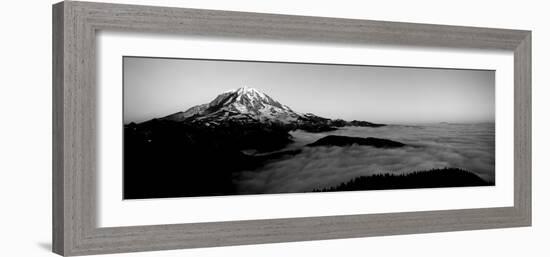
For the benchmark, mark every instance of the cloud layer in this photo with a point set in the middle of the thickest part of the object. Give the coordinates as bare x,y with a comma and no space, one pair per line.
467,146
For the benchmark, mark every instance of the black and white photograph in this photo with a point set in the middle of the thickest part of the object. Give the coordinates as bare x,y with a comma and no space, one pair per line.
201,127
278,128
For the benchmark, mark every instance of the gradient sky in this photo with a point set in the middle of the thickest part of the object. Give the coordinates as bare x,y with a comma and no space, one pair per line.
156,87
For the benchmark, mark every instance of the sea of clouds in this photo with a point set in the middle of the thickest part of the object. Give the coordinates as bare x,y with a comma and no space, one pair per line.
466,146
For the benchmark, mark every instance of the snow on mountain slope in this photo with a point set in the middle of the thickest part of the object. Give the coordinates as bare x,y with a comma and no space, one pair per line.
242,104
245,107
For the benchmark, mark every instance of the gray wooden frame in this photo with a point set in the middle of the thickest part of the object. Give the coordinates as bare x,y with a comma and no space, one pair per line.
74,128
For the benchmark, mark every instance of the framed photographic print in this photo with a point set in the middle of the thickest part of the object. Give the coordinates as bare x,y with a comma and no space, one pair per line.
182,128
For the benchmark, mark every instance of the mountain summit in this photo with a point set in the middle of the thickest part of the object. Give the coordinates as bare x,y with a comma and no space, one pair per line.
247,100
239,104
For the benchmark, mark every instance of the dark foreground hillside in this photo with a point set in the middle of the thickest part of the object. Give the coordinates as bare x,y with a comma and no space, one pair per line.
174,159
447,177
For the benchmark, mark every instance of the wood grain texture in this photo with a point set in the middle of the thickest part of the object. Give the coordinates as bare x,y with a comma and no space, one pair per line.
522,128
74,121
57,125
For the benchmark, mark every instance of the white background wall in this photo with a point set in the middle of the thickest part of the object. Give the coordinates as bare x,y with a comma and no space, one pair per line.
25,127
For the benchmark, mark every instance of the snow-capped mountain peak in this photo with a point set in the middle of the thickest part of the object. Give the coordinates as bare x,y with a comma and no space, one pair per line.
247,90
250,107
240,103
251,94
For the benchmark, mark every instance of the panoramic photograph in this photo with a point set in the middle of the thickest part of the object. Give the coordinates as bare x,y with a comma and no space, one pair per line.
200,127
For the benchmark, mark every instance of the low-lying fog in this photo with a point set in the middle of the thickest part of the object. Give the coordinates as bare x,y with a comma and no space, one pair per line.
467,146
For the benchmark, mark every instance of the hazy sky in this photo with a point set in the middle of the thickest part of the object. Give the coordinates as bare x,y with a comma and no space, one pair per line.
156,87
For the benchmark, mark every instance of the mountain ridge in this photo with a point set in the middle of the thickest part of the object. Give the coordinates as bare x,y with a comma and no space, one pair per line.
247,105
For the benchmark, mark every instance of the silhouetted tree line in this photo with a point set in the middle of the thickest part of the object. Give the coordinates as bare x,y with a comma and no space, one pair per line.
446,177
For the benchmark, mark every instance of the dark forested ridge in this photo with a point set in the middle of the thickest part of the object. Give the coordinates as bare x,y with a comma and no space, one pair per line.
173,159
446,177
345,140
